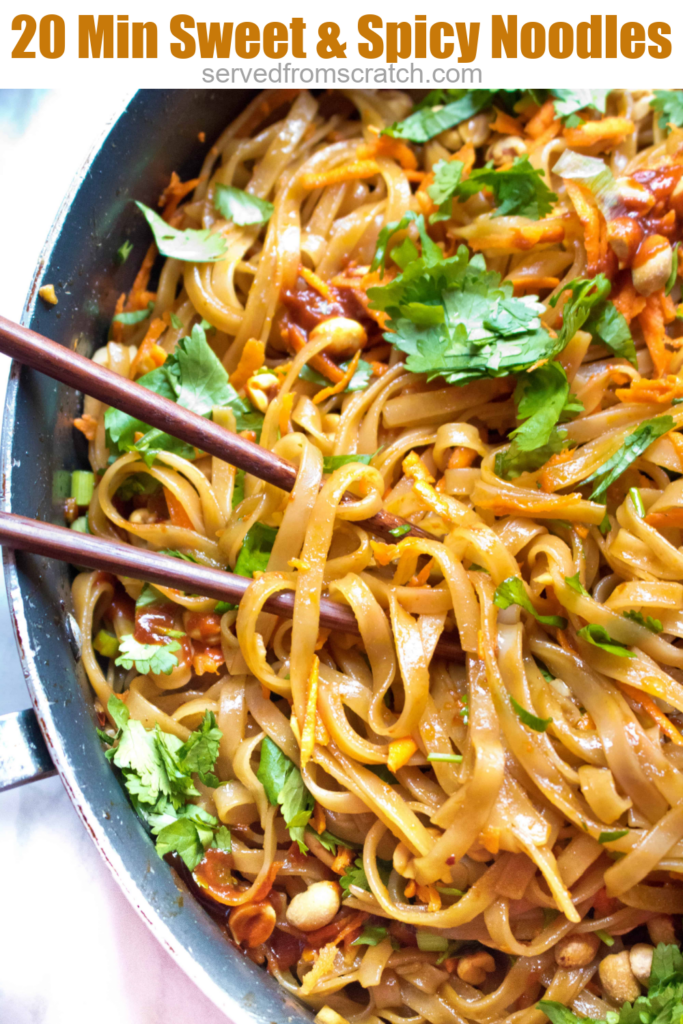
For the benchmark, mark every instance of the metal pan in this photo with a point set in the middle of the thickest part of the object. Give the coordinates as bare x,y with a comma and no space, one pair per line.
155,134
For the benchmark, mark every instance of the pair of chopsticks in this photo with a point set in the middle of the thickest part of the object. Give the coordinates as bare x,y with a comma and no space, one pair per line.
58,542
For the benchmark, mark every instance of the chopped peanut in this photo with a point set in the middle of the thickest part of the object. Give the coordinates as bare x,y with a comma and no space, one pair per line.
474,968
661,929
618,980
574,951
252,923
640,958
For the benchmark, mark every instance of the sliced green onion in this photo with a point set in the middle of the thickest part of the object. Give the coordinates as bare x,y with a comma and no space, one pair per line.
448,891
605,937
82,486
430,943
106,644
400,531
610,837
450,758
634,495
81,525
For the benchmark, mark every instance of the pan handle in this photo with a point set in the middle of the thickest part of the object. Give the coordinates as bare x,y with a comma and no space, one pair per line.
24,756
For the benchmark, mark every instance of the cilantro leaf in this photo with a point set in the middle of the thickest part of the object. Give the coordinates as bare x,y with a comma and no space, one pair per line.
194,377
599,637
331,842
610,837
135,317
181,837
588,307
190,245
518,191
149,595
255,550
543,399
371,935
355,875
478,328
447,174
574,583
200,750
633,446
241,207
426,122
532,721
669,105
512,463
358,382
123,252
157,658
654,625
569,101
284,785
512,591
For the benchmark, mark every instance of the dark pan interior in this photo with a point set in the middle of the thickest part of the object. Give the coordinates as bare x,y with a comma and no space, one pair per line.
156,134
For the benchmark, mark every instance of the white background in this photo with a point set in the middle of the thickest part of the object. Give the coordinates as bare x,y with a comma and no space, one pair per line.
167,71
72,950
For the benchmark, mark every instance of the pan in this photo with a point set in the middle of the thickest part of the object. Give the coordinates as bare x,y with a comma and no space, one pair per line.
155,134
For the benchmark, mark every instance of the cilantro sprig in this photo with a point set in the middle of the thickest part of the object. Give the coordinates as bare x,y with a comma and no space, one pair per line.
241,207
157,770
598,636
588,307
191,245
454,318
668,103
518,191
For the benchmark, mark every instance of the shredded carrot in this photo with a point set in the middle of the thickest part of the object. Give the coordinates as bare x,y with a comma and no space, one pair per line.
116,326
337,388
550,133
672,518
532,283
353,171
400,752
610,130
149,355
308,731
590,217
323,965
418,176
627,300
661,391
322,363
420,580
461,458
384,553
379,369
442,504
251,360
87,425
318,819
541,120
174,192
505,124
646,703
466,155
395,149
652,322
316,282
410,889
415,469
451,964
323,637
546,479
137,299
285,413
428,894
176,511
343,859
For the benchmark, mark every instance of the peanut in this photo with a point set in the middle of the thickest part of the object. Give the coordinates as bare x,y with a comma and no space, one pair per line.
474,968
640,958
344,336
576,950
618,980
252,923
315,907
506,148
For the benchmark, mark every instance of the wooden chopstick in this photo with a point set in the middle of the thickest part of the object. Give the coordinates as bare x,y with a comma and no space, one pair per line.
66,545
84,375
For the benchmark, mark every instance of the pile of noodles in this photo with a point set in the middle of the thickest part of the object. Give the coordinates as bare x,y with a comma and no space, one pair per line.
514,826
